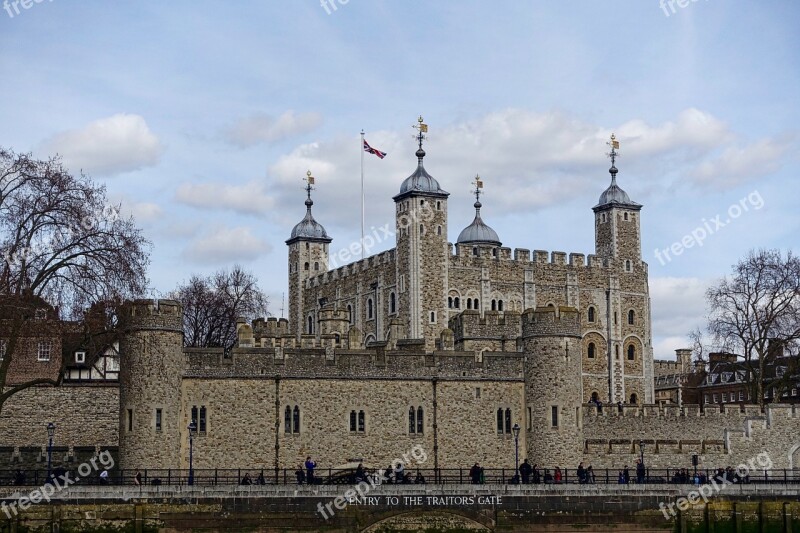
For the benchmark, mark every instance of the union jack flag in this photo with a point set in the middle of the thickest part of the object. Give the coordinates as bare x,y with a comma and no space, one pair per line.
370,150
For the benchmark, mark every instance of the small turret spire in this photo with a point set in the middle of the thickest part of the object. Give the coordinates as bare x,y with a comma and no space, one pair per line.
478,190
309,179
613,154
422,129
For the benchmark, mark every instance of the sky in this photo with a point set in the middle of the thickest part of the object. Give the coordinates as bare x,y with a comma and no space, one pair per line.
202,119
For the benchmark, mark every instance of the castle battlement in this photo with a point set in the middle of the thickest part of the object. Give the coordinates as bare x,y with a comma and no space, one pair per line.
562,321
737,412
373,363
362,265
523,257
153,314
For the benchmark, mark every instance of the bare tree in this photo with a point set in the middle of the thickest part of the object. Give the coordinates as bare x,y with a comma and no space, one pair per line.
755,310
62,245
211,306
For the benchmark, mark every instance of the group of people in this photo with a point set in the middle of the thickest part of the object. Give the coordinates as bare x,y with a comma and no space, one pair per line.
247,480
624,475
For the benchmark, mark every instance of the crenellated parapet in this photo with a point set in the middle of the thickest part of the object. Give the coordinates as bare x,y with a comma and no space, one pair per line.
157,315
371,363
562,321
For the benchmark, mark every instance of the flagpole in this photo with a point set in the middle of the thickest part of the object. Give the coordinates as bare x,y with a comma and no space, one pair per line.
362,194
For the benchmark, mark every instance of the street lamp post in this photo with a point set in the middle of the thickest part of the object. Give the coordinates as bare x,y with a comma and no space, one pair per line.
192,429
515,429
51,431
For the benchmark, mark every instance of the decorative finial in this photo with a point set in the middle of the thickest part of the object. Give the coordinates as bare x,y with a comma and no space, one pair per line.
309,179
613,154
478,189
422,129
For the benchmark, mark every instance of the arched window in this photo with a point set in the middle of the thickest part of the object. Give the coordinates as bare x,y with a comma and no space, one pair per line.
310,325
305,267
422,229
469,303
628,266
307,246
350,313
631,316
450,302
494,252
353,425
433,317
438,206
361,421
494,305
499,305
475,250
296,420
457,303
287,420
500,420
590,352
616,351
634,398
412,421
369,309
595,397
392,303
590,314
438,230
631,352
476,304
420,420
508,420
625,216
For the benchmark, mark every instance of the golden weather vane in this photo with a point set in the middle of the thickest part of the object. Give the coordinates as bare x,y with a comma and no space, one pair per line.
614,144
422,129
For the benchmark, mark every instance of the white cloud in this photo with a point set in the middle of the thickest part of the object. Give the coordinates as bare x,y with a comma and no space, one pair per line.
226,246
249,198
678,306
262,128
737,165
108,146
528,160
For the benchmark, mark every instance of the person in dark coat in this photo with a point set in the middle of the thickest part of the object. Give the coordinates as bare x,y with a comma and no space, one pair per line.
525,470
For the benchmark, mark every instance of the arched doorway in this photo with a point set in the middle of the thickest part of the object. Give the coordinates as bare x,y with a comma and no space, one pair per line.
634,399
595,397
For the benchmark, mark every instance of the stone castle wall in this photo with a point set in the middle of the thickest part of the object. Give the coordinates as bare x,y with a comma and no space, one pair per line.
671,435
462,394
84,415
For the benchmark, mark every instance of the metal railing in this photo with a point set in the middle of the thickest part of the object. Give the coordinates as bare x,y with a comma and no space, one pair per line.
441,476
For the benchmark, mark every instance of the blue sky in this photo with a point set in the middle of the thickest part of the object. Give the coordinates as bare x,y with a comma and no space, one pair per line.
203,117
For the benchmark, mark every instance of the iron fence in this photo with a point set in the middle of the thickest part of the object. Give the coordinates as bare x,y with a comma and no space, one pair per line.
441,476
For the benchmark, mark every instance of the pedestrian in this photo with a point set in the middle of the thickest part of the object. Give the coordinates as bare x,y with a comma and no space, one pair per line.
590,475
525,470
260,479
310,466
359,473
137,479
557,475
400,473
640,471
475,474
300,474
246,479
537,476
420,479
626,475
389,474
581,473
